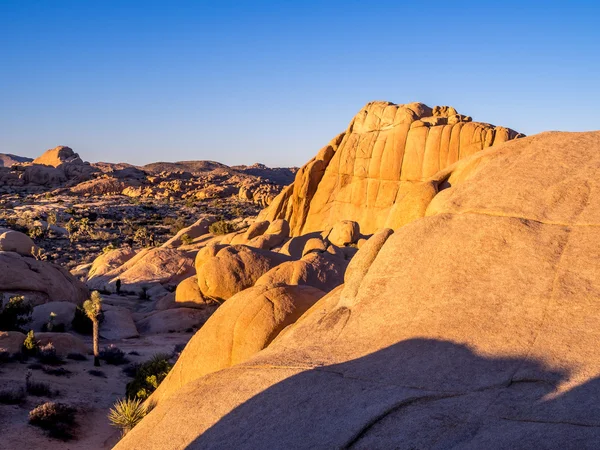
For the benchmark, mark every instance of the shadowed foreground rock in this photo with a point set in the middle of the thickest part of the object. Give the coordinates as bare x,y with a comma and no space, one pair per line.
476,326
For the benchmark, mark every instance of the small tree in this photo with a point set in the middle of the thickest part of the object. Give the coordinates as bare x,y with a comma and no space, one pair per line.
93,308
118,285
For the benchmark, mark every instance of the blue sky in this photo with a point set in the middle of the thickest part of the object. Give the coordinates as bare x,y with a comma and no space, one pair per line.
243,82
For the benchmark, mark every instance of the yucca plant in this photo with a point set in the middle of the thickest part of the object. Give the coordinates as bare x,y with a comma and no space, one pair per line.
126,413
93,308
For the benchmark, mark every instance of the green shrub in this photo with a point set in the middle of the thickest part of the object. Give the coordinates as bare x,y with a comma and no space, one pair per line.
15,314
109,248
222,227
56,418
126,413
31,344
186,239
148,376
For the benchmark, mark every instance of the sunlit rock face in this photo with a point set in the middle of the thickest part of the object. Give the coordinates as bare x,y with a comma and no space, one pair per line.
475,326
377,172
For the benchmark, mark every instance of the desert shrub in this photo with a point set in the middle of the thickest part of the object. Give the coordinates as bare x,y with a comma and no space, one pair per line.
126,413
35,366
36,232
15,314
175,225
37,388
109,248
39,254
52,218
113,355
143,237
148,376
31,344
14,396
77,357
81,322
56,418
186,239
222,227
46,354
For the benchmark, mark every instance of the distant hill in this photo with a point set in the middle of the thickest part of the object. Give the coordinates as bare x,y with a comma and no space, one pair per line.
8,159
193,167
279,175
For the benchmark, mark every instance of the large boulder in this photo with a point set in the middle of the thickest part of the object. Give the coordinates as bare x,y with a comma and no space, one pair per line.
63,343
148,268
241,327
344,233
174,320
57,156
110,260
188,294
63,313
117,324
374,172
275,235
319,270
39,281
197,229
235,268
11,342
15,241
477,326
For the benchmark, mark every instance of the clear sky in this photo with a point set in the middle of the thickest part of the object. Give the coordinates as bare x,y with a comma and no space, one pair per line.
256,81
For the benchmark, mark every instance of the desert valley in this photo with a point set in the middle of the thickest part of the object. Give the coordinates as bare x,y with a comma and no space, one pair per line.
425,281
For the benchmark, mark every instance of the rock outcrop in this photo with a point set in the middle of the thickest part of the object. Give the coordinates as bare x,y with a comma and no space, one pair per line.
150,267
58,156
475,326
235,268
15,241
39,281
376,172
241,327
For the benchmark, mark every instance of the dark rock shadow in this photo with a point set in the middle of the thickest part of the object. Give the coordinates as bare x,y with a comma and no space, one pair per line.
419,393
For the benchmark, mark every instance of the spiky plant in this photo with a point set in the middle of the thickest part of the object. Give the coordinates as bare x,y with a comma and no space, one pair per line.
93,308
126,413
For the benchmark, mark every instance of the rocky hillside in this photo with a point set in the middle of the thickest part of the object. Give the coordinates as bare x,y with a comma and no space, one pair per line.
471,321
60,170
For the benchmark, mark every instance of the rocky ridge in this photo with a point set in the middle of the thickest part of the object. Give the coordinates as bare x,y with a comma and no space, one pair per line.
471,323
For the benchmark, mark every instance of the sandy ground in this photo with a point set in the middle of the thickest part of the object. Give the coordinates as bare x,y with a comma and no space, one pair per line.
91,395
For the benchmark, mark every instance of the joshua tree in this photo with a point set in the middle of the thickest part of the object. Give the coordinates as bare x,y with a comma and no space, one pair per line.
118,285
92,308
